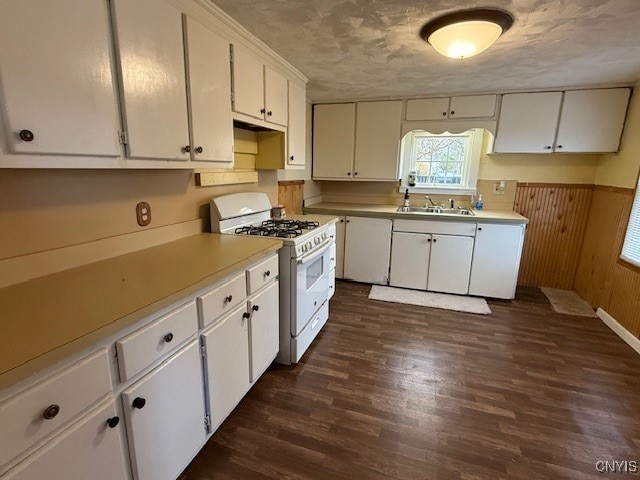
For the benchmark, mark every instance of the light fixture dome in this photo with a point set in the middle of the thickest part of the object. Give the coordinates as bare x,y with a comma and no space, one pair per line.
466,33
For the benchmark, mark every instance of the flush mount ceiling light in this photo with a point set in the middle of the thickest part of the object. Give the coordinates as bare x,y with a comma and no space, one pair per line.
466,33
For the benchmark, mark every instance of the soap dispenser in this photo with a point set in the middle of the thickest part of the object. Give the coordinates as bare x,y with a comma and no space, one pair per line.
406,198
479,203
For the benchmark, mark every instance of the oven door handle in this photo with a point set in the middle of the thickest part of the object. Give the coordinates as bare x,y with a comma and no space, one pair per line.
308,258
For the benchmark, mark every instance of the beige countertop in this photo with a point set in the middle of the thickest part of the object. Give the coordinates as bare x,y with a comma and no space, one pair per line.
49,318
390,211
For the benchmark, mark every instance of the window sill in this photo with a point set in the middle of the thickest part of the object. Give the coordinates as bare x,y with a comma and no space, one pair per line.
439,190
629,265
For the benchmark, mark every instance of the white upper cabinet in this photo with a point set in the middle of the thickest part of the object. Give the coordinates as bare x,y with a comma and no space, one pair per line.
151,50
360,146
572,122
469,106
296,138
209,94
527,122
258,90
377,140
57,82
592,120
333,140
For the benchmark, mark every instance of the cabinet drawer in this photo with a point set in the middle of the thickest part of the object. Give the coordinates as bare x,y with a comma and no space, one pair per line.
467,229
301,343
69,392
150,343
261,274
222,299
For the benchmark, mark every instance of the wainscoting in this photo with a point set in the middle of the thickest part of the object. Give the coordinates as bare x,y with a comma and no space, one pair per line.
558,216
601,279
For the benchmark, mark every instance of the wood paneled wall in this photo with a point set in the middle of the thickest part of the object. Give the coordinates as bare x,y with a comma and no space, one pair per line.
601,279
558,215
291,195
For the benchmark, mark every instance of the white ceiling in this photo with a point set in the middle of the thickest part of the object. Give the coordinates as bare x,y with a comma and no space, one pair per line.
360,49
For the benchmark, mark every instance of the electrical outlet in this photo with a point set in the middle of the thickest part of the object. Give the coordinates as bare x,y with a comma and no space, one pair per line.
143,213
499,187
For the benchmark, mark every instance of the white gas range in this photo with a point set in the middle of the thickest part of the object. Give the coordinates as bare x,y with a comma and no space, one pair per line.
307,263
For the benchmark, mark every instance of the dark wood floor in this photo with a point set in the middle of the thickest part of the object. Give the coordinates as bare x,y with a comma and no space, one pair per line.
392,391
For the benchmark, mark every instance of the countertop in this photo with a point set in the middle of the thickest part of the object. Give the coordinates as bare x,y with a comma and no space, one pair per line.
49,318
390,211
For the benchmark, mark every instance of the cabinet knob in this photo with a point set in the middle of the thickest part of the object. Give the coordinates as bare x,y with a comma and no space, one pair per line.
444,114
429,240
186,148
113,422
355,173
228,299
168,337
50,412
263,110
255,308
548,147
291,158
348,173
348,221
435,240
26,135
452,112
246,315
559,146
139,403
267,273
199,149
479,228
341,220
269,113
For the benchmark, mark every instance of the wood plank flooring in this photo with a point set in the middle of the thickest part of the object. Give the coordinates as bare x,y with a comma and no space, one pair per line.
391,391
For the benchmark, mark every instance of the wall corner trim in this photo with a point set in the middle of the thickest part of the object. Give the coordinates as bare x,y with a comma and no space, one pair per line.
619,330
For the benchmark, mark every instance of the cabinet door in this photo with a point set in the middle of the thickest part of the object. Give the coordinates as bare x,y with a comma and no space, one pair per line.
472,106
88,449
410,260
57,81
264,329
367,249
209,94
297,123
377,140
227,361
496,260
340,234
527,122
427,109
248,84
592,120
333,140
165,416
151,49
450,264
276,97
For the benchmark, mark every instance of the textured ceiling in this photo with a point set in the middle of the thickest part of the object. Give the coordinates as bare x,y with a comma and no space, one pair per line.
371,49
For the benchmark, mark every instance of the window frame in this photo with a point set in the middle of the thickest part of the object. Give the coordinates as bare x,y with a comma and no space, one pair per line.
470,169
621,260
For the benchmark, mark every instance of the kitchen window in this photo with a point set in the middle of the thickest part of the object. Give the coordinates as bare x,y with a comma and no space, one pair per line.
444,163
631,247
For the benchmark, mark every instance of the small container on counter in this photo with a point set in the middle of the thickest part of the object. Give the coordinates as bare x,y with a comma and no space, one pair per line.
278,212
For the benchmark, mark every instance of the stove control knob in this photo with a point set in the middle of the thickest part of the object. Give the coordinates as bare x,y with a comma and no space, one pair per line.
324,235
309,246
316,240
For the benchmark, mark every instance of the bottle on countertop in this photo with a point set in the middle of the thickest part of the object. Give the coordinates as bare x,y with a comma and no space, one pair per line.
406,198
479,203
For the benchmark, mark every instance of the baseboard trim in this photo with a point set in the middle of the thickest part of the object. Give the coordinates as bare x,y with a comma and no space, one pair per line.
622,332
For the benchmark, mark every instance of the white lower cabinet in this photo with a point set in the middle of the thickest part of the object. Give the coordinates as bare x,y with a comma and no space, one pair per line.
410,260
227,363
264,329
450,264
367,249
91,448
496,260
165,416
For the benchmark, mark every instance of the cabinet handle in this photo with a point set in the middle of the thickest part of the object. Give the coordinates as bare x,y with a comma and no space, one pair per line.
26,135
269,113
263,110
50,412
199,149
113,422
168,337
267,273
255,308
246,315
139,403
291,158
228,299
186,148
453,112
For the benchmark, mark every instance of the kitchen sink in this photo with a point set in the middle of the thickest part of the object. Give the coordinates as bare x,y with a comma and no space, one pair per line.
435,210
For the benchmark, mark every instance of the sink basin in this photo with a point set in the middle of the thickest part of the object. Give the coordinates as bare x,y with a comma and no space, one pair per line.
435,210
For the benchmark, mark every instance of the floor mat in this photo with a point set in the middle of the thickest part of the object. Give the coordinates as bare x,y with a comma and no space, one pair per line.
444,301
568,302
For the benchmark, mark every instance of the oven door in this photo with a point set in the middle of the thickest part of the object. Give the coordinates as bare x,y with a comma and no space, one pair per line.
311,286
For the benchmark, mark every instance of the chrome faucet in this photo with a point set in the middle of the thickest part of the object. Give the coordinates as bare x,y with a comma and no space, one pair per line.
429,201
